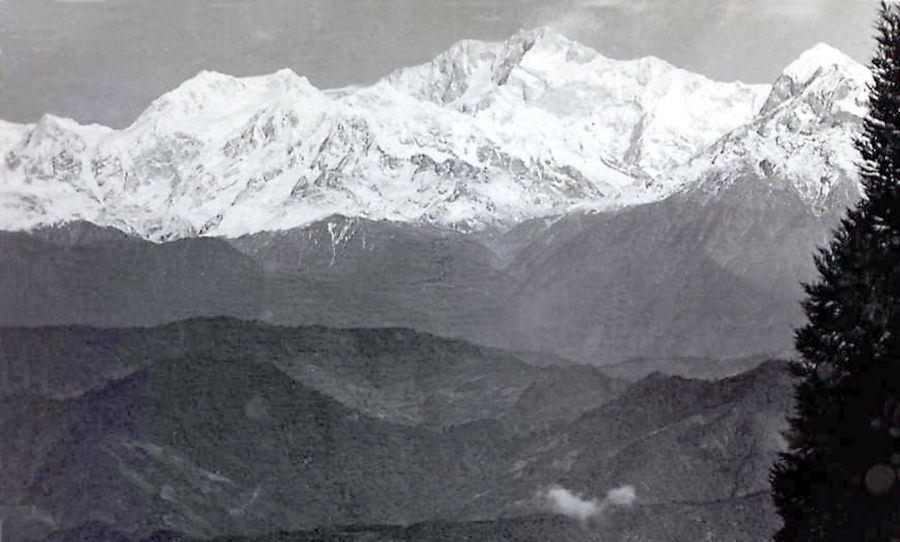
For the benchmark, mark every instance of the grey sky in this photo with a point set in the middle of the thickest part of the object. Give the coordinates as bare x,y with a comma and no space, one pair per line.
105,60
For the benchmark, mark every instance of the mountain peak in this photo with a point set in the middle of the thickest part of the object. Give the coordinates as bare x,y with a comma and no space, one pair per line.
541,36
470,68
212,95
287,78
821,57
206,84
52,128
209,77
202,92
542,46
823,73
802,140
51,122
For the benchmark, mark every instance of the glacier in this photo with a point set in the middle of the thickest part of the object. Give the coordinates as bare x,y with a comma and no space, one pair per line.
485,135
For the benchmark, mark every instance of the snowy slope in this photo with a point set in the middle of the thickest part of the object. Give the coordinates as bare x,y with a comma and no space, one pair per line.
803,137
643,115
487,133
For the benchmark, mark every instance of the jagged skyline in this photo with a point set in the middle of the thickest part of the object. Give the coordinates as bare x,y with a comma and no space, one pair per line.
486,134
105,60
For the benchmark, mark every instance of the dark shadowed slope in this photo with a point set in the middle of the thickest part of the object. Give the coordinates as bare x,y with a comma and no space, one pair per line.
123,282
696,276
216,426
690,276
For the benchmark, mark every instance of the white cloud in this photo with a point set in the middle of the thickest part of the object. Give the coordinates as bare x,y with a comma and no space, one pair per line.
561,501
564,502
621,496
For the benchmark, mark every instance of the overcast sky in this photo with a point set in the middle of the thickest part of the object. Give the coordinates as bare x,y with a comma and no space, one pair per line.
105,60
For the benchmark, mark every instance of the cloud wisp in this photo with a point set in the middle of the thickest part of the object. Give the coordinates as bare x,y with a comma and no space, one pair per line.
564,502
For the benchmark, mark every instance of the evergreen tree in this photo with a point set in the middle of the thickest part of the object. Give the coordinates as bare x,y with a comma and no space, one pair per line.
839,479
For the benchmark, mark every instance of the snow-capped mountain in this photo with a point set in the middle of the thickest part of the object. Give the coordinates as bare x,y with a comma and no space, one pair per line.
642,116
802,137
486,133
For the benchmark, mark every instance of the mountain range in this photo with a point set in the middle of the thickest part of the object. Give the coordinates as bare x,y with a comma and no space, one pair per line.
464,302
214,427
530,195
486,135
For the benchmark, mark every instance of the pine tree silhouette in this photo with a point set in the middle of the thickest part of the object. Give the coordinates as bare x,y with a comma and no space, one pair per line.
839,479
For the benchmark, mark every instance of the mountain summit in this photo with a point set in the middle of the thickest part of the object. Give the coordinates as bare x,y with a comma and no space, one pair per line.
486,133
802,139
